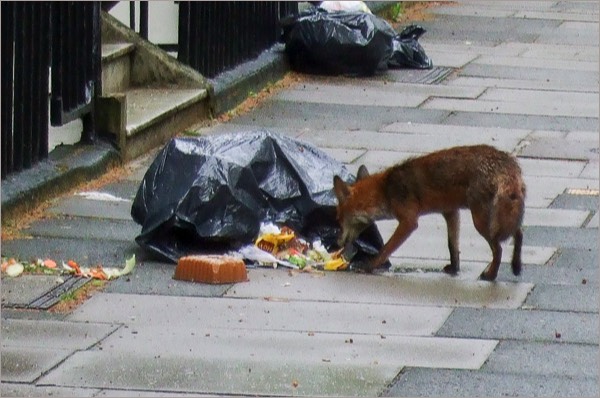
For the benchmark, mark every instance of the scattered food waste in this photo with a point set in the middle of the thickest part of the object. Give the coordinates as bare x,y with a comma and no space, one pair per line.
13,268
281,246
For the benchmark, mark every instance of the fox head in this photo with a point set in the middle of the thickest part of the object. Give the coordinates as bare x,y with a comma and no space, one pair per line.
353,213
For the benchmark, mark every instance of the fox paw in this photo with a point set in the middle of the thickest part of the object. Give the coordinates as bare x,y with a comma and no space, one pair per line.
450,269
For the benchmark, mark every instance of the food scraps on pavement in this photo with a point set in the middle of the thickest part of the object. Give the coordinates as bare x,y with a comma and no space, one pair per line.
13,268
281,246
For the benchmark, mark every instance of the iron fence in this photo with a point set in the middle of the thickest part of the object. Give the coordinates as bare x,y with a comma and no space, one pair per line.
36,36
218,35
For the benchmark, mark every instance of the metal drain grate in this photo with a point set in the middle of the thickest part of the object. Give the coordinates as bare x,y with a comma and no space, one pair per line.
434,75
582,192
52,296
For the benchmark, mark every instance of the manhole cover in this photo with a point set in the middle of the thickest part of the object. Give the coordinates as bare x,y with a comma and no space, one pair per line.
434,75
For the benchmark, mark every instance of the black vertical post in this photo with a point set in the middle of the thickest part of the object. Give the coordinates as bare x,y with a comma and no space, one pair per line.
144,19
132,15
7,59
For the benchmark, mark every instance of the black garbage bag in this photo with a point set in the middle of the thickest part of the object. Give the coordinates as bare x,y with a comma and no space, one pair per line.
408,52
210,194
354,43
337,43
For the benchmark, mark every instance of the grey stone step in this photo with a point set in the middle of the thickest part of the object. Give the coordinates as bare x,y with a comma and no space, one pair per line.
116,67
147,106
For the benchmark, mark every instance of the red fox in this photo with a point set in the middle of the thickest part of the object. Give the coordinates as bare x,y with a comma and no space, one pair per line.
481,178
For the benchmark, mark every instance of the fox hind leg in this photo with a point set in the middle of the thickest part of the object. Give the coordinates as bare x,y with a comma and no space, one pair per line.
516,259
453,224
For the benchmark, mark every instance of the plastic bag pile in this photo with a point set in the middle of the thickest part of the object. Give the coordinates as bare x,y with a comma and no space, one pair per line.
211,194
350,42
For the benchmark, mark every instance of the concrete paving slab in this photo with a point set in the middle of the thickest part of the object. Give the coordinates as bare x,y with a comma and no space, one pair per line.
527,62
441,45
521,5
418,382
551,51
26,364
85,252
53,334
469,270
493,135
389,87
473,11
579,202
591,170
488,30
533,122
571,32
519,108
156,278
541,190
550,85
275,347
85,228
376,161
77,206
555,217
551,274
548,75
345,155
258,314
23,290
556,149
449,59
560,16
172,374
593,223
386,141
540,96
124,189
147,394
430,241
576,298
27,390
317,117
437,290
350,95
523,325
551,167
31,348
577,238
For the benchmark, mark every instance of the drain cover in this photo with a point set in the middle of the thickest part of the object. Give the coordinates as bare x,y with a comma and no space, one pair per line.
582,192
49,298
434,75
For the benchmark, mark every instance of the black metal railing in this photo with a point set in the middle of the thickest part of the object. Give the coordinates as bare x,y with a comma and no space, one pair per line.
76,60
35,36
216,36
25,61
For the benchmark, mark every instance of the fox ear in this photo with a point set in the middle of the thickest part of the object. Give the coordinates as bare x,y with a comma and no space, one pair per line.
362,172
341,189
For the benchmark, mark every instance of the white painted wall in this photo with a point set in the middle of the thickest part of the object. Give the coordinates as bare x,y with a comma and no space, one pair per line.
163,19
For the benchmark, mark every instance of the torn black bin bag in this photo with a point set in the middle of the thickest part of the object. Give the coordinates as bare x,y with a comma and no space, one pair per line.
408,52
210,194
353,43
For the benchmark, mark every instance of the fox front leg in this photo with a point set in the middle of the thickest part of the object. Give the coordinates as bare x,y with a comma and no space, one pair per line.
405,227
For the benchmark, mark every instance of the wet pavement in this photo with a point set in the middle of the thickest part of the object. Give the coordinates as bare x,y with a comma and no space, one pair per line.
524,79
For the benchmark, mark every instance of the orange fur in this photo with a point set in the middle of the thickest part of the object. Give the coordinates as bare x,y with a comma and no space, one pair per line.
481,178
